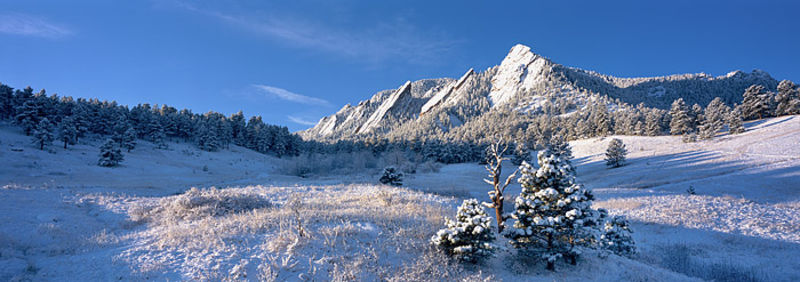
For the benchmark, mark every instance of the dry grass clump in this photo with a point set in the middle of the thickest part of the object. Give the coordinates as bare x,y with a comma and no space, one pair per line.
199,204
353,232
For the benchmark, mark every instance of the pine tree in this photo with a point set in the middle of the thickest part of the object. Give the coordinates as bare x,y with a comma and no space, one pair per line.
680,122
735,121
67,131
110,154
616,153
713,118
521,154
29,115
755,103
469,237
391,176
653,124
553,214
616,236
128,140
43,133
207,140
788,99
6,102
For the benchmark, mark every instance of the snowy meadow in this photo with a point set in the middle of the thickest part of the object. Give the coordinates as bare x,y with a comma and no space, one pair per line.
244,218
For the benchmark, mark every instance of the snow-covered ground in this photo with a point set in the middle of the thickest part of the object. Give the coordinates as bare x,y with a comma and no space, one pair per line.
64,218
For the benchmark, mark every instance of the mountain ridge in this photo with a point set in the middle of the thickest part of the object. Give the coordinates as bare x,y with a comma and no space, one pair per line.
522,82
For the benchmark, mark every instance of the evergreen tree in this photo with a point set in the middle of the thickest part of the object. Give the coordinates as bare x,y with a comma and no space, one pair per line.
653,124
680,122
553,214
616,236
391,176
110,154
43,133
207,140
67,131
788,99
521,154
713,118
755,103
6,102
29,115
616,153
129,139
469,237
735,121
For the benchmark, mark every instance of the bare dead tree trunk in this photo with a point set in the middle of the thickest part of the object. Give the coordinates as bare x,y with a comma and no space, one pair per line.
494,166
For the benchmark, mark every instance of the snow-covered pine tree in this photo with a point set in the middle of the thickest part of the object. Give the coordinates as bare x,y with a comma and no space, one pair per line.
713,118
559,146
680,122
553,214
469,237
695,117
521,154
653,124
129,139
601,120
43,133
616,236
207,139
110,154
28,115
788,99
391,176
616,153
6,101
735,120
755,103
67,131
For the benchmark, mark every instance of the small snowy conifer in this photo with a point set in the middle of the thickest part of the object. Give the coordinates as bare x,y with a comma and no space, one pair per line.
735,121
43,134
392,176
616,236
129,139
469,237
616,153
67,131
681,122
788,99
755,103
110,154
553,214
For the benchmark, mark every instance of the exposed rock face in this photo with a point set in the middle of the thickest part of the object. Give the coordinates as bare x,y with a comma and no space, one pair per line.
444,93
519,72
521,83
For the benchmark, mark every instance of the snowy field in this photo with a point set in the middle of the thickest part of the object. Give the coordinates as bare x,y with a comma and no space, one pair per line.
64,218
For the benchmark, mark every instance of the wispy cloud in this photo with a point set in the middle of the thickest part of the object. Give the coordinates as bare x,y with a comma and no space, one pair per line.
301,121
290,96
393,39
29,25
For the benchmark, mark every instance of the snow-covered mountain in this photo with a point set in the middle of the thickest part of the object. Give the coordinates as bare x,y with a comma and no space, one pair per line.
520,83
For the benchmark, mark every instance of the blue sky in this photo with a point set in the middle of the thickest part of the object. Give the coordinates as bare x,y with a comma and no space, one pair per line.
293,62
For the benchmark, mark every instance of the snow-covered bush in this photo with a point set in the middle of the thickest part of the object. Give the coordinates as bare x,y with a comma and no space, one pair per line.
200,203
553,214
616,153
391,176
469,237
616,236
110,154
